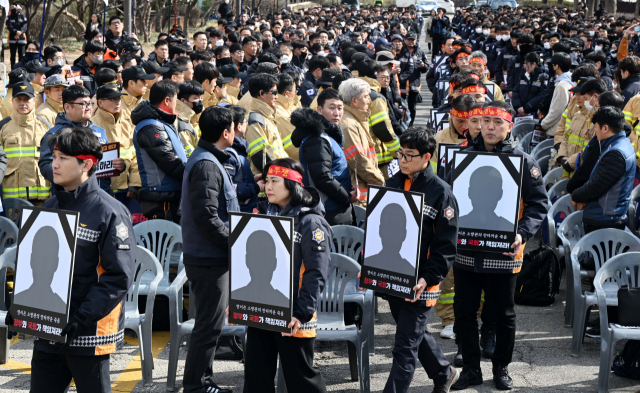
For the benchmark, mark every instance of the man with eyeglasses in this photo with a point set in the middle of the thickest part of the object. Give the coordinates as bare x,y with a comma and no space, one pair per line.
116,33
265,143
76,102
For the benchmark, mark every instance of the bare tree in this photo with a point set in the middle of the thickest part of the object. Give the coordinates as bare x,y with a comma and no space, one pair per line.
187,16
611,6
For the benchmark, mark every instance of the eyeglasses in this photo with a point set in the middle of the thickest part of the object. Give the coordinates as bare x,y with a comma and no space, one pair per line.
116,22
407,157
384,77
274,92
83,104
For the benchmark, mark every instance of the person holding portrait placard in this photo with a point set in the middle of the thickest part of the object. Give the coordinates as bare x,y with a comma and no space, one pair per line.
495,273
311,256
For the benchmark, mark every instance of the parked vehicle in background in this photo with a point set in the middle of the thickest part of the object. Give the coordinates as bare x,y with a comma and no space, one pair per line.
501,3
355,3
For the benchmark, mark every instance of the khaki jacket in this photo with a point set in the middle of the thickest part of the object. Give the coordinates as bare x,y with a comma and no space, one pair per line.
129,103
37,89
263,138
448,135
245,101
49,111
20,138
314,103
284,108
229,99
632,110
208,100
360,152
578,132
186,114
6,107
497,91
146,94
380,127
120,131
235,92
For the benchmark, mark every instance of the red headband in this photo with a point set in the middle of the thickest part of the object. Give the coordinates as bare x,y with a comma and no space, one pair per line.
275,170
474,76
462,55
460,114
93,159
497,112
478,60
476,112
456,46
474,89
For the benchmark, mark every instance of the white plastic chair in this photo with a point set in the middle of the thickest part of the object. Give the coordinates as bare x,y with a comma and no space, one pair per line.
562,205
603,245
13,208
522,128
570,232
618,271
180,329
543,162
164,239
361,216
557,191
635,194
7,260
542,149
525,143
141,323
552,177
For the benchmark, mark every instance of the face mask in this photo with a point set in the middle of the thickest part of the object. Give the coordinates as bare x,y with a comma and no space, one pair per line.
479,30
587,104
599,47
342,24
97,60
506,37
553,30
226,1
547,45
330,42
312,29
285,59
58,63
198,106
219,43
615,86
303,55
31,56
592,33
486,32
574,56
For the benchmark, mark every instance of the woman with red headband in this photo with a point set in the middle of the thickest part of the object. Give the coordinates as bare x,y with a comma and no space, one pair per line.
288,197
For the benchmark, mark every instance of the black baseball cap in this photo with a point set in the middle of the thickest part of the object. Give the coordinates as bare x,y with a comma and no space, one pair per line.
231,71
411,36
173,67
224,79
151,67
35,66
25,88
18,76
108,91
328,74
135,73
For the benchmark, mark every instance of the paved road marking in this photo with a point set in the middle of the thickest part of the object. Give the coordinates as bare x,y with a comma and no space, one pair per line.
132,374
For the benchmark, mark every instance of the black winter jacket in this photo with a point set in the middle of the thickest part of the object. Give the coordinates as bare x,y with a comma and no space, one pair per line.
317,152
529,93
534,205
83,70
607,76
307,90
313,237
155,141
205,185
630,87
110,43
439,224
103,270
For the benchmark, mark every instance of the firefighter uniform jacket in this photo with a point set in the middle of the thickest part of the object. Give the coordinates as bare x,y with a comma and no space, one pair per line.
48,111
284,108
17,23
576,136
360,151
129,103
119,131
187,126
387,143
631,115
207,100
533,209
263,136
105,262
6,107
505,54
410,69
229,99
235,92
311,256
439,227
20,138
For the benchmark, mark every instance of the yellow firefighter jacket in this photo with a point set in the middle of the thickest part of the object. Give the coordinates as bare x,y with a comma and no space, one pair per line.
284,109
48,111
262,135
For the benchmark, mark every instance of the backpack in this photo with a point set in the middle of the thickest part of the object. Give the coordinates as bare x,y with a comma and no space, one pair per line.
539,280
626,364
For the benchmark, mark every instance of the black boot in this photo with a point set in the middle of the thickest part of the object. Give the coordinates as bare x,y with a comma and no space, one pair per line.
501,377
487,342
468,377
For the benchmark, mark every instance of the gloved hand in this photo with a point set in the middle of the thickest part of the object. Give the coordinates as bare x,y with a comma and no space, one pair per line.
560,159
71,331
557,146
8,320
565,165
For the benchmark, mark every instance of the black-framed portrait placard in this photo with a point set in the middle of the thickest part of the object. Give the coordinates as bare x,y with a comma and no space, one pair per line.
442,157
392,241
44,272
261,271
449,150
487,187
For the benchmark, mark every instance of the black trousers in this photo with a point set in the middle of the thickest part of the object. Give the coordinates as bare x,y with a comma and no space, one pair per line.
412,99
591,225
499,290
412,342
52,373
16,49
342,216
210,292
296,356
437,43
161,210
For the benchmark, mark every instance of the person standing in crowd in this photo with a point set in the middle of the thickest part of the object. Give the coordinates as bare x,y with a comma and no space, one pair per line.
457,131
438,249
561,66
188,108
206,74
84,67
414,64
161,156
265,143
494,273
115,34
20,136
308,88
150,68
288,197
439,26
95,24
321,141
359,147
160,54
52,105
478,62
285,105
134,84
529,91
17,25
208,197
630,70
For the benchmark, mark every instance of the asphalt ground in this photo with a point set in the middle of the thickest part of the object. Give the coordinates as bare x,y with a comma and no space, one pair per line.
542,359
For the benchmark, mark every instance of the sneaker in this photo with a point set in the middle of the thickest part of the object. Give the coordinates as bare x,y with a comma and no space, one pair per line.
454,374
487,342
593,329
468,378
447,332
501,377
213,388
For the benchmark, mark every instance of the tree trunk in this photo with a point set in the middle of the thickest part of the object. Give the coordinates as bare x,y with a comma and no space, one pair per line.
50,26
591,5
187,17
77,24
637,8
559,2
611,6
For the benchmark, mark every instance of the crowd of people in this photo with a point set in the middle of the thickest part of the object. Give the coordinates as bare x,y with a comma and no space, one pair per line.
296,114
